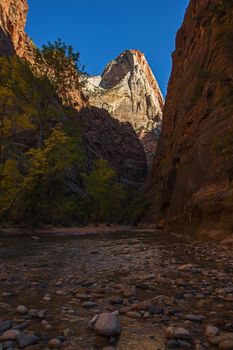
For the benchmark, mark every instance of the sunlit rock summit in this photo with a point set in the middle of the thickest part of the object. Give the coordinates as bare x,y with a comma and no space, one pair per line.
128,90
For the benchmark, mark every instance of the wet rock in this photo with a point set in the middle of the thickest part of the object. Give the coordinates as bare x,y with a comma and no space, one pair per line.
22,310
60,292
108,325
211,331
124,310
33,313
21,326
133,314
116,301
179,296
8,345
172,344
184,345
54,343
185,267
198,345
25,340
155,309
88,283
82,296
177,333
4,306
61,338
181,282
220,338
11,334
226,345
89,304
42,314
67,332
194,318
93,321
5,325
47,297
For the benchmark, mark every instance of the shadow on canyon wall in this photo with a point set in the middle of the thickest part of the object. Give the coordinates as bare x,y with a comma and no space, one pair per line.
6,45
105,137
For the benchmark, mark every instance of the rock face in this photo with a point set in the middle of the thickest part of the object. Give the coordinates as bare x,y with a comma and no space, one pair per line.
128,90
13,14
190,189
107,138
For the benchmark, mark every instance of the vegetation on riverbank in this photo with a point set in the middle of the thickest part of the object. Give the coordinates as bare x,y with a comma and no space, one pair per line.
45,177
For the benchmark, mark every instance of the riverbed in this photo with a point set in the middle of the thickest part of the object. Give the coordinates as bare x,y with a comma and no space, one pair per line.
152,279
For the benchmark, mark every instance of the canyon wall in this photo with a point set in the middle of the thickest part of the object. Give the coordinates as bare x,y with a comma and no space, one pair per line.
128,90
190,189
13,15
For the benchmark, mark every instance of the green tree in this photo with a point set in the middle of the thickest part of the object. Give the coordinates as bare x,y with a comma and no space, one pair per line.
10,184
61,64
26,102
44,194
105,194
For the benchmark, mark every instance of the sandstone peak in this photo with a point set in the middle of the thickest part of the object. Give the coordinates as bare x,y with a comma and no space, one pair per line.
128,90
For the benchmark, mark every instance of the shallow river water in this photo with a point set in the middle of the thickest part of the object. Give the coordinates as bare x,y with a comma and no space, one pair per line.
153,279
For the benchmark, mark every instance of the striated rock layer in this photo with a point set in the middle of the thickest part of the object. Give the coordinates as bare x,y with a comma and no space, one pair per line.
128,90
190,189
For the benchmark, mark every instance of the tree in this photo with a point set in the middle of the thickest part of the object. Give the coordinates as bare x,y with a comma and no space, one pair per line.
61,65
10,184
42,196
105,194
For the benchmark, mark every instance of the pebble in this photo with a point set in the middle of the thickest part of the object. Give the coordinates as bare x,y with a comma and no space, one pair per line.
54,343
5,325
47,297
8,345
226,345
11,334
177,333
211,331
21,309
93,321
133,314
89,304
185,267
194,318
220,338
155,309
108,325
25,340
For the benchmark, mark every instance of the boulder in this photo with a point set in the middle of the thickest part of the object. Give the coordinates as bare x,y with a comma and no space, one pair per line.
108,325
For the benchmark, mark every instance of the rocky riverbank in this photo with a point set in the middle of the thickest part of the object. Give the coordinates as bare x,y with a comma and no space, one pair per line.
125,290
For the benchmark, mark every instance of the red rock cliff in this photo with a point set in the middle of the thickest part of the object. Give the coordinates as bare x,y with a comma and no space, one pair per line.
13,14
190,188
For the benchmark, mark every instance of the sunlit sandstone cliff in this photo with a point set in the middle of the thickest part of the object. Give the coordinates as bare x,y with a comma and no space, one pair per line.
13,15
128,90
190,189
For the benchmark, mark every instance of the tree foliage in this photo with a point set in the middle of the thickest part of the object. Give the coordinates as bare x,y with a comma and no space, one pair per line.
61,64
105,194
37,151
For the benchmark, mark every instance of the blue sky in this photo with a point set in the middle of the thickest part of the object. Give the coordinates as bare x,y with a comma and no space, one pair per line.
101,29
